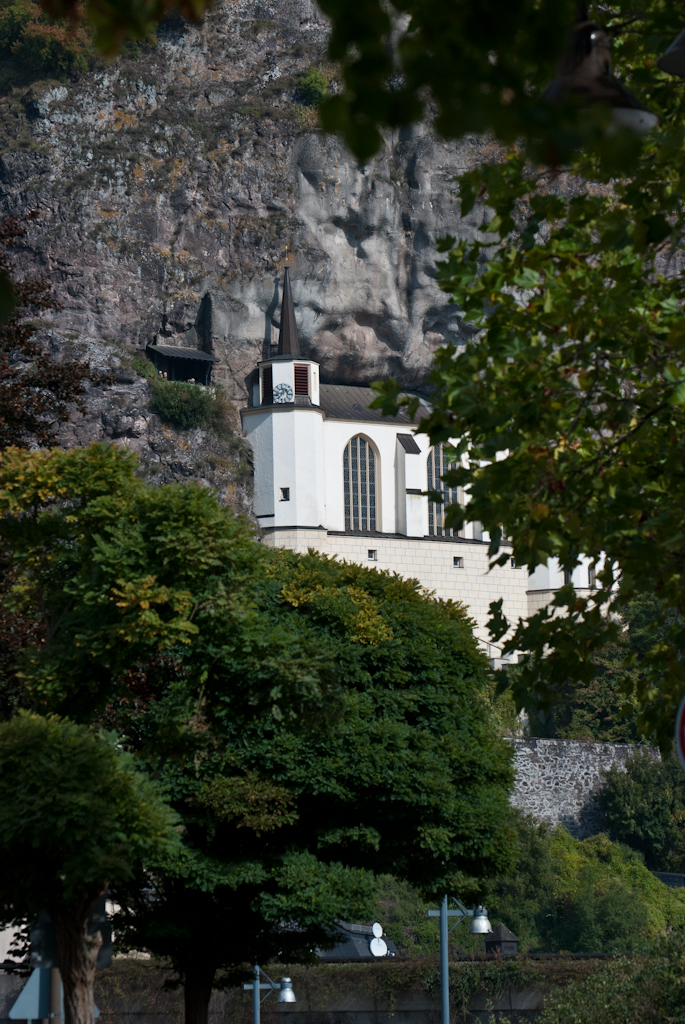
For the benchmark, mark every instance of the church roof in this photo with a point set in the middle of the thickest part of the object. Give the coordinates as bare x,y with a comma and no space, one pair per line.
288,343
349,402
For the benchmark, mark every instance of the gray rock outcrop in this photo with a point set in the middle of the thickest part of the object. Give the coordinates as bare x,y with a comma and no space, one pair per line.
170,185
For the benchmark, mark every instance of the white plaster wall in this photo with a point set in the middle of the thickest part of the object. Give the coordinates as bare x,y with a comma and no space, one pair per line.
400,489
298,465
283,372
258,428
384,438
431,563
288,452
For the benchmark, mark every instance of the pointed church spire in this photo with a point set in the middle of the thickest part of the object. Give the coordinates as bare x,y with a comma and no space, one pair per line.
288,345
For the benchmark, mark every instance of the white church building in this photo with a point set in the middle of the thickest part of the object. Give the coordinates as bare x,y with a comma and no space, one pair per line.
330,473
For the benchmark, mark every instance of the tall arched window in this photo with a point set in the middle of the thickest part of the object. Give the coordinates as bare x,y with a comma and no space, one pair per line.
437,466
359,482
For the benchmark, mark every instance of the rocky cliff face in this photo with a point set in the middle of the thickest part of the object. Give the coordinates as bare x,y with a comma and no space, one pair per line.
169,186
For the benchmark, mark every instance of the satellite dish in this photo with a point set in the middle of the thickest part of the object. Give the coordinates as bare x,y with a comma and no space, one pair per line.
378,946
377,929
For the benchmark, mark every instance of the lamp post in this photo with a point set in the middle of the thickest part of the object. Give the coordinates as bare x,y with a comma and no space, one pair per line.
479,926
284,989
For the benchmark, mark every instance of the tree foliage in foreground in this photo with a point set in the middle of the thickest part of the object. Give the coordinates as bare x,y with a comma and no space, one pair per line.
600,709
121,575
291,824
567,401
310,721
75,817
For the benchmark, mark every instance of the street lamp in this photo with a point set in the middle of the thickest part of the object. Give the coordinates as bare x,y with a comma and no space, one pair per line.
284,989
480,925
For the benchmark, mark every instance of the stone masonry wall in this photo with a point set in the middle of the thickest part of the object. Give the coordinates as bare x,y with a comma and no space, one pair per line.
557,780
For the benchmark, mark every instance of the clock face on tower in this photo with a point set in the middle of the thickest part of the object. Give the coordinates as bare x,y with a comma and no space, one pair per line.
283,393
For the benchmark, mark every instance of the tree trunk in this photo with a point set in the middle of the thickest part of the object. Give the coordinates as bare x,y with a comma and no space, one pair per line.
199,979
78,953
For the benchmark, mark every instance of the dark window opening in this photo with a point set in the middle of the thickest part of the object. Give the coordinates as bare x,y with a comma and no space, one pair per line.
285,494
267,386
437,466
359,485
301,380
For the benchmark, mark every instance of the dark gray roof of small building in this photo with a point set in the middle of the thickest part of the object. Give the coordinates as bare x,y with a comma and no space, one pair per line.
182,353
349,402
500,933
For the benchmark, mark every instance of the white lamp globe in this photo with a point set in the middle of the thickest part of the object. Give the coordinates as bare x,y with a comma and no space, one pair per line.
480,924
286,994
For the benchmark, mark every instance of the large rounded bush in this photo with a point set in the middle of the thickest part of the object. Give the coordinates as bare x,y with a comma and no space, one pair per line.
183,405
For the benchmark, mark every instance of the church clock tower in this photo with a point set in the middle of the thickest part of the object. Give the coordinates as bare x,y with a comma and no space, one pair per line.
285,427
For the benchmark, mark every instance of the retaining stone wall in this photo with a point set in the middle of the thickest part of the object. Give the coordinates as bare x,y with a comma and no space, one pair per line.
557,780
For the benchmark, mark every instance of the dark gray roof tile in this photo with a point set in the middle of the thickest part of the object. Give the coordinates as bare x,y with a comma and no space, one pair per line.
349,402
409,444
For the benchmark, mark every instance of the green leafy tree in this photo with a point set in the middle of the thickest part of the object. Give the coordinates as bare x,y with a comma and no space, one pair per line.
599,709
122,575
645,808
184,405
311,721
290,823
33,46
566,401
75,817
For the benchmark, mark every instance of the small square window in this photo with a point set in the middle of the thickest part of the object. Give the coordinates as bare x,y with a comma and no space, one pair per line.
373,555
285,494
512,562
458,562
